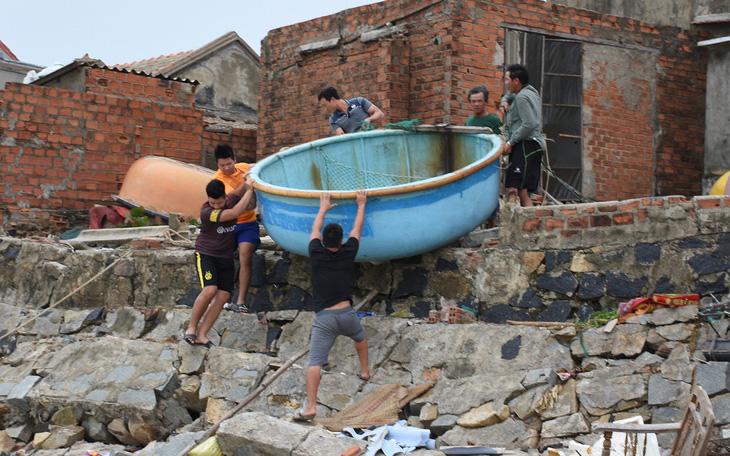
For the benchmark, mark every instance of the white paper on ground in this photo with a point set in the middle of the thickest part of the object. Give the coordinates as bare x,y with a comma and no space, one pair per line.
393,439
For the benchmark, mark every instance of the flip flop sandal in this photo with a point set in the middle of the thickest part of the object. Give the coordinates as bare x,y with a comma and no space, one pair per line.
303,418
190,338
363,378
206,345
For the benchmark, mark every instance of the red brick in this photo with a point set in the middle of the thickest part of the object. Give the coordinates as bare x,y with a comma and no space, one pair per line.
578,222
623,219
551,224
608,208
543,212
532,225
677,199
352,451
629,206
600,220
708,203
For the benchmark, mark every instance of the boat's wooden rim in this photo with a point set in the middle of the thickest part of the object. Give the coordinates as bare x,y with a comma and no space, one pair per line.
399,190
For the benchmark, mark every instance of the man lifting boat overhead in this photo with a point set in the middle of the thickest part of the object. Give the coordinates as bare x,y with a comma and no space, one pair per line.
333,275
348,116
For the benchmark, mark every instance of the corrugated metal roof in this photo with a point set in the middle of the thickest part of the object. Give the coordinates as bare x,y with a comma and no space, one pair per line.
174,63
99,64
156,65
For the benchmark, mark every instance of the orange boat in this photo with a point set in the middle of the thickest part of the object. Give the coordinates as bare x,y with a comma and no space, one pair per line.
163,185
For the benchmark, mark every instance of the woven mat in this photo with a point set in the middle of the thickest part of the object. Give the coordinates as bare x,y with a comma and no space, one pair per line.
378,408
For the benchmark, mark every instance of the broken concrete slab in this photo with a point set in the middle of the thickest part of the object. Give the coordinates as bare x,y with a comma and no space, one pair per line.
63,437
603,391
526,404
510,434
120,234
563,426
113,374
126,322
484,415
260,434
232,375
320,442
562,402
18,394
172,447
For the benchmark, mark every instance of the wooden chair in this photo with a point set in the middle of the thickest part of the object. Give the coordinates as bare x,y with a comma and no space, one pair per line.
693,433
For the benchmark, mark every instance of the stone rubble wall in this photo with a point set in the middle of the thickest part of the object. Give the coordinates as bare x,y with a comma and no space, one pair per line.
110,361
679,246
124,376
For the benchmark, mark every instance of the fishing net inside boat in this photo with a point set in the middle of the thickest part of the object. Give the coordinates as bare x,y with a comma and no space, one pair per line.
338,176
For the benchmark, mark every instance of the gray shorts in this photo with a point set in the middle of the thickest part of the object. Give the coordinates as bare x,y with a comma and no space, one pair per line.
328,324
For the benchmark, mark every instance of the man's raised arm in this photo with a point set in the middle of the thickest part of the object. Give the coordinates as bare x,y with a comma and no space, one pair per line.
241,206
324,206
361,197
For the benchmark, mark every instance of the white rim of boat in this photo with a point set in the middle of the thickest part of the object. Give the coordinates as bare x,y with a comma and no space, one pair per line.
430,183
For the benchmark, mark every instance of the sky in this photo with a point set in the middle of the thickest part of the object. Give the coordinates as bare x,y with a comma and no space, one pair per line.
45,32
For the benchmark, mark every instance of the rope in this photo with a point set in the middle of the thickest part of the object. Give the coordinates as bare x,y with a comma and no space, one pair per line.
182,242
563,183
129,252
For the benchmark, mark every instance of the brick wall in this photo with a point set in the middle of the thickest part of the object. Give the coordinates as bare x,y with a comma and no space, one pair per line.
613,223
384,70
62,151
243,142
650,146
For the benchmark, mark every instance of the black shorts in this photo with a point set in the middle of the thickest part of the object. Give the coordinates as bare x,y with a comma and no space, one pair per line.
524,166
219,272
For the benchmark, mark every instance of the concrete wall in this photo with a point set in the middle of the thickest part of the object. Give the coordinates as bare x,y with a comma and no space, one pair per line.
678,13
14,71
717,136
229,82
418,60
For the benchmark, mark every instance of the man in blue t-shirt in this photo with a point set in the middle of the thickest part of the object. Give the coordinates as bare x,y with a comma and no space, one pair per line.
333,275
348,115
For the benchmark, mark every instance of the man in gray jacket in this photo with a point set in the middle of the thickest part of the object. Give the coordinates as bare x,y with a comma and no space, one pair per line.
526,143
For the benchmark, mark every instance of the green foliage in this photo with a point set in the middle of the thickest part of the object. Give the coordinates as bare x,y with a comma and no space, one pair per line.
136,218
137,212
598,319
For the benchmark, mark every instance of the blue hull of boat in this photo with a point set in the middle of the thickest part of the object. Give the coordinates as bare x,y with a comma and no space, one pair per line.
401,220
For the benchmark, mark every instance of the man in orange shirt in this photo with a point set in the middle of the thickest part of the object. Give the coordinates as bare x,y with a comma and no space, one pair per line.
247,227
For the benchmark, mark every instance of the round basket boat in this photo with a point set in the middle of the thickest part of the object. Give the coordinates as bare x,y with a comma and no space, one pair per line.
425,189
163,185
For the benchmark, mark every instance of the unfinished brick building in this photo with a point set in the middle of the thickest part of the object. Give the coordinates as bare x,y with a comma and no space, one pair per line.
67,145
623,100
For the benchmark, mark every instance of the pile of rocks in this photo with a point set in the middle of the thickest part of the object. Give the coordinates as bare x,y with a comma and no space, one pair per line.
125,378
